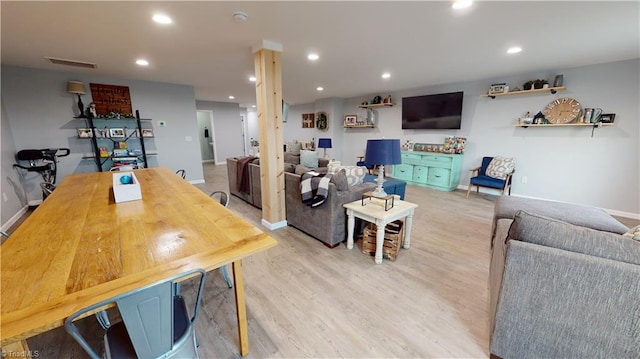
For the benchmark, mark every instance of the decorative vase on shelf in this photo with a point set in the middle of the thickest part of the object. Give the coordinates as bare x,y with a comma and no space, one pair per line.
559,80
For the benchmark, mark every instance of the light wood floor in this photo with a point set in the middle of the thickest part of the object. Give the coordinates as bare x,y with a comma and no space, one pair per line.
305,300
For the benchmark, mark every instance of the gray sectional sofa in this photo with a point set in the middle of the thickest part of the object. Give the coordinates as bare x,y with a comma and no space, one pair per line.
326,222
564,282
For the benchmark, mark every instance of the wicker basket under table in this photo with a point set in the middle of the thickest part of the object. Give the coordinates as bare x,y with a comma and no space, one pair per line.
393,236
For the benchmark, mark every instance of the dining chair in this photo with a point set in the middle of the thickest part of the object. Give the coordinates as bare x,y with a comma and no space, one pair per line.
223,198
154,322
182,173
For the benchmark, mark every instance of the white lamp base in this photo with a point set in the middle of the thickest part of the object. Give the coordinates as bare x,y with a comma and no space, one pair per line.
379,191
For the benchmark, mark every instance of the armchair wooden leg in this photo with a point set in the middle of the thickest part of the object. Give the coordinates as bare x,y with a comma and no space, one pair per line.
468,190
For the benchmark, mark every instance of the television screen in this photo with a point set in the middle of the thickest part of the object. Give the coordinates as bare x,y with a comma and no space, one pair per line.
440,111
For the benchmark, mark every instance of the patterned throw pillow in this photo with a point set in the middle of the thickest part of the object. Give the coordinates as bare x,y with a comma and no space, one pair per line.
309,158
499,167
333,167
633,233
355,174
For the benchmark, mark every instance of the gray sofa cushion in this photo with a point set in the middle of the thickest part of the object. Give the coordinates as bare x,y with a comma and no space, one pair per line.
340,180
291,157
585,216
557,234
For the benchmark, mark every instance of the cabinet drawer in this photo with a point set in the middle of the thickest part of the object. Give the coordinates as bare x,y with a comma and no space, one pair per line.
438,176
411,159
403,172
420,174
437,161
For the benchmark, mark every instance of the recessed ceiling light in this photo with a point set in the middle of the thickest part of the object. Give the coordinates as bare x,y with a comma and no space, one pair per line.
162,19
252,78
461,4
319,88
386,75
231,97
313,57
142,62
514,50
254,106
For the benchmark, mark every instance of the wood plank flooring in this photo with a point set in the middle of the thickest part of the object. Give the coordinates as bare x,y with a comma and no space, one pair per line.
305,300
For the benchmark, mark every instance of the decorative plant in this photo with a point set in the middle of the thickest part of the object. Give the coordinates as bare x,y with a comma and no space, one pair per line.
527,85
254,143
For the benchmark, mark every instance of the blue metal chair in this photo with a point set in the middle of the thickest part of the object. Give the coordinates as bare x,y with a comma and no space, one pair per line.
155,322
479,179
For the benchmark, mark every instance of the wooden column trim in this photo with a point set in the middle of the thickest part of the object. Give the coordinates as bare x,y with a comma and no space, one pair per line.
270,134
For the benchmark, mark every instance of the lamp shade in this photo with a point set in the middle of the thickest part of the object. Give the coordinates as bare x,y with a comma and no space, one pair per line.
76,87
324,143
383,152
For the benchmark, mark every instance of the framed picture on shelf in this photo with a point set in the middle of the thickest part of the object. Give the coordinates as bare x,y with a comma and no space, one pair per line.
350,120
607,117
147,132
116,132
85,133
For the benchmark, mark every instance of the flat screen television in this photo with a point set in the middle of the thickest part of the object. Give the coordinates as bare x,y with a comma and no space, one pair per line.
437,112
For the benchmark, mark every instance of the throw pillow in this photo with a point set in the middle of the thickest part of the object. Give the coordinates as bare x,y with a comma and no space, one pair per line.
309,158
300,170
355,174
294,147
633,233
499,167
290,157
340,180
333,167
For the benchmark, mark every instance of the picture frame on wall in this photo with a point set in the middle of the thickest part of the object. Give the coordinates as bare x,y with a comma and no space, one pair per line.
147,132
308,120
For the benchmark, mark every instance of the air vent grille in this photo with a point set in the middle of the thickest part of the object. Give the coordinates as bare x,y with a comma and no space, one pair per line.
74,63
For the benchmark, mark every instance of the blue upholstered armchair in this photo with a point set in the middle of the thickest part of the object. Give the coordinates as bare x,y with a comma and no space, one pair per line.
479,178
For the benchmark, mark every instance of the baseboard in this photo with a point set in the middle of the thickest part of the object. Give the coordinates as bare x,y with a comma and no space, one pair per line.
208,161
613,212
199,181
274,226
221,163
14,219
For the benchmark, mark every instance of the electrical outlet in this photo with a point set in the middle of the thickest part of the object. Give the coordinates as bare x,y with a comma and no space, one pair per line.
524,179
188,138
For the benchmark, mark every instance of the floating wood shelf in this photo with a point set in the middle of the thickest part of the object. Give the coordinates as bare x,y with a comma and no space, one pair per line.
551,90
377,105
599,124
361,126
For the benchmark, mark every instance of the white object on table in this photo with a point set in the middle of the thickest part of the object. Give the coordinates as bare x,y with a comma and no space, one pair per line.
373,211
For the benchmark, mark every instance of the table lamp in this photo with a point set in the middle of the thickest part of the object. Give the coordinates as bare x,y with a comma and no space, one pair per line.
382,152
324,143
77,88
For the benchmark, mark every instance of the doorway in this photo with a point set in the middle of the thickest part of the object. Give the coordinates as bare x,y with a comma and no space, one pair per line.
206,136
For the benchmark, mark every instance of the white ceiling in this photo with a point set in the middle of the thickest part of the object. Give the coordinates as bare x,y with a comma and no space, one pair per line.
419,43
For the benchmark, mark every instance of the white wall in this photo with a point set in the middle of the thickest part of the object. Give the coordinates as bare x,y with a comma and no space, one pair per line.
13,198
563,164
40,114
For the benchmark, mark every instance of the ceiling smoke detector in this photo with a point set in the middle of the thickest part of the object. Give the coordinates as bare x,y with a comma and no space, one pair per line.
240,16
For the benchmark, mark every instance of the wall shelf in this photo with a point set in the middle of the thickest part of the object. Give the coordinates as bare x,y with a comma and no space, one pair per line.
599,124
361,126
551,90
390,104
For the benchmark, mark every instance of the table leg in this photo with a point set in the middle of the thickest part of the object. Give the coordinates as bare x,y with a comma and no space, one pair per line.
351,223
379,242
241,308
407,230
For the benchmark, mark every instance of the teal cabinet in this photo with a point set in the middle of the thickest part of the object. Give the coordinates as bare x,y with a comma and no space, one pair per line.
430,169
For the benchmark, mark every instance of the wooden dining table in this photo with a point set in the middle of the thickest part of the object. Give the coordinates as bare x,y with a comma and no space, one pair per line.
79,247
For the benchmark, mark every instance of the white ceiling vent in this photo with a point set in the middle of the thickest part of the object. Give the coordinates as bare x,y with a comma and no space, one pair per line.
74,63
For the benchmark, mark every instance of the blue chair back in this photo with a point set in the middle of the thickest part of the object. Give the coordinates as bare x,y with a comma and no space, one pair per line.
485,164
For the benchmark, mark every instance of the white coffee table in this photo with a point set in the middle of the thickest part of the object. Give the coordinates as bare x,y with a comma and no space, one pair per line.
373,211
